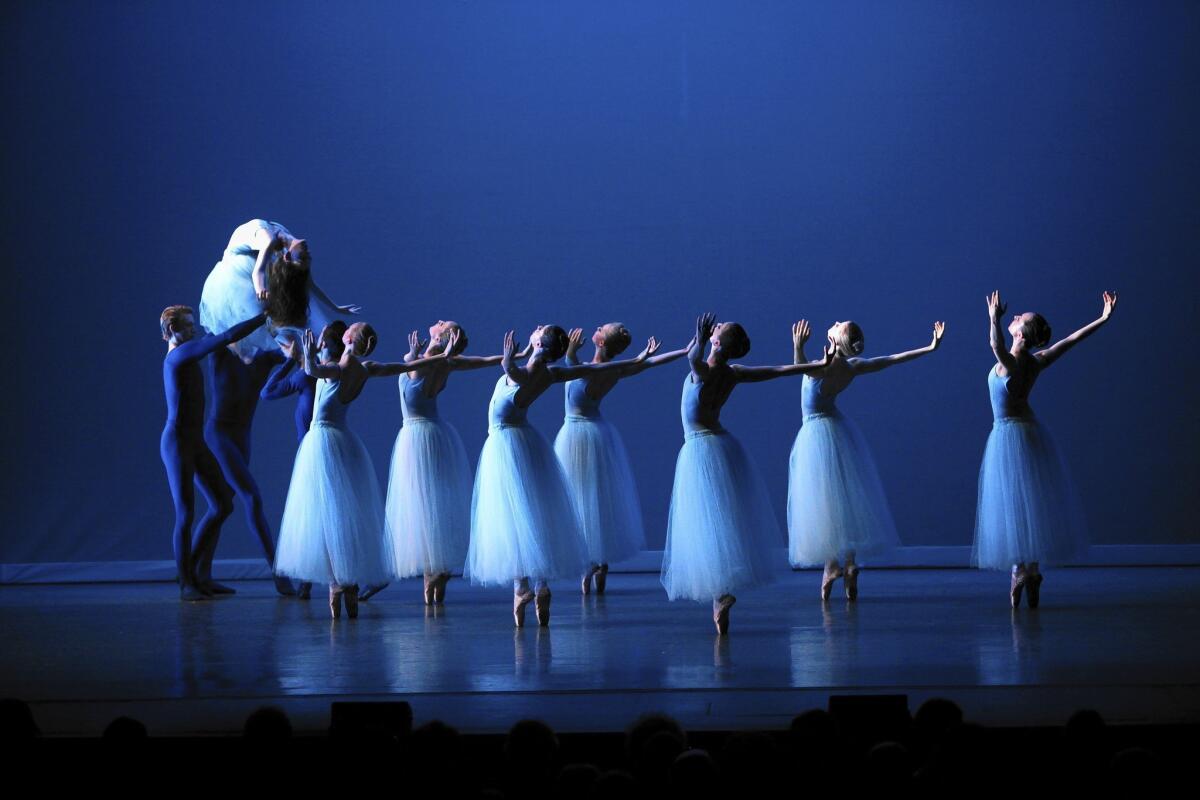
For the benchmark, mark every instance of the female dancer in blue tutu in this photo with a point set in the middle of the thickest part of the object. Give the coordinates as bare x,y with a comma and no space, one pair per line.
721,527
837,509
1028,513
333,528
593,456
266,268
428,508
523,523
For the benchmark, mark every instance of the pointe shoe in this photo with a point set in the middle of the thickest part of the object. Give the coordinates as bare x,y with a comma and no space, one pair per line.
439,588
542,607
212,587
429,584
1019,580
335,602
586,586
721,608
851,582
521,598
371,591
284,586
190,593
827,579
601,578
1033,589
351,595
305,591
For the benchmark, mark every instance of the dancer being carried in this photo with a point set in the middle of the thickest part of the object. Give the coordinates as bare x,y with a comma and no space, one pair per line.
1028,513
184,452
837,509
266,268
721,526
523,522
332,530
287,380
593,456
428,508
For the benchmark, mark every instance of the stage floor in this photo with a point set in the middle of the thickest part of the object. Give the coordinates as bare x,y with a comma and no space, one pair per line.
1120,640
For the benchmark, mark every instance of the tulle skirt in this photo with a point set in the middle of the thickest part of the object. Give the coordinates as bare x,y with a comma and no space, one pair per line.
722,528
836,502
428,506
228,298
601,483
1028,509
523,523
333,527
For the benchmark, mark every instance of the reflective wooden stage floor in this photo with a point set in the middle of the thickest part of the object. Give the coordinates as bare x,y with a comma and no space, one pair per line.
1121,640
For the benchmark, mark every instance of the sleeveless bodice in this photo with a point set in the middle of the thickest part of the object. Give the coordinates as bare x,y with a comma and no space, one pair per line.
1006,405
814,402
578,402
327,409
503,411
414,404
690,410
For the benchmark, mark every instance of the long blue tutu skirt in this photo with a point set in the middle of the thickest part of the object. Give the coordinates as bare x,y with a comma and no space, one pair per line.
722,528
836,502
1028,509
601,481
523,523
428,507
333,529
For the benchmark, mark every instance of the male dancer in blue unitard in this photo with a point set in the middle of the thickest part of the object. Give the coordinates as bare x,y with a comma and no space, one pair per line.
184,452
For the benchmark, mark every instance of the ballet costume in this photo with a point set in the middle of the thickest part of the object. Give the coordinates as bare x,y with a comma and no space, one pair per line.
594,460
523,522
333,526
837,508
721,527
428,509
1028,510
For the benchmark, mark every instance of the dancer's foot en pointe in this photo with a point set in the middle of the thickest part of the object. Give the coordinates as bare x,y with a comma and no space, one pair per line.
428,586
832,573
439,588
601,578
335,601
351,597
284,586
522,597
1033,586
1019,580
371,591
588,577
190,593
542,606
305,590
721,606
851,581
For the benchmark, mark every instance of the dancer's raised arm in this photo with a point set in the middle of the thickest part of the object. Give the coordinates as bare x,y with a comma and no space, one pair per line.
759,374
201,346
1055,351
572,371
459,362
996,309
704,329
382,369
634,367
862,366
800,333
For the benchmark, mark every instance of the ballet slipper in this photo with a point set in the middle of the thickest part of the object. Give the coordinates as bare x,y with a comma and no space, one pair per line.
439,588
721,607
371,591
542,606
1019,580
587,578
335,601
284,586
521,598
305,590
827,579
212,587
1033,589
851,582
351,596
429,582
190,593
601,578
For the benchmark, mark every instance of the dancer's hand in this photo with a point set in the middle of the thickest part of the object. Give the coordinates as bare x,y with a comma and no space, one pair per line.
288,348
651,348
574,342
704,327
800,333
263,297
352,308
448,352
830,352
510,345
939,328
415,345
310,346
996,308
1110,303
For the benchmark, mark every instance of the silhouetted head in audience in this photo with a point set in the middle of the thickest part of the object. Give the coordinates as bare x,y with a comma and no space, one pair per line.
935,717
531,753
749,760
694,774
642,731
1136,770
437,747
889,766
575,780
16,720
267,724
125,729
615,784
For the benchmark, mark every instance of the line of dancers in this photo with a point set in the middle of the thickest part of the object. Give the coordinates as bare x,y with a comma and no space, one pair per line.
535,513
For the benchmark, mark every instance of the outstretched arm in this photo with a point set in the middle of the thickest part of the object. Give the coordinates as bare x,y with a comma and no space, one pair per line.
478,362
759,374
331,309
996,310
579,370
800,333
509,360
635,367
381,369
269,244
415,346
864,365
704,329
1055,351
199,347
283,380
330,371
574,340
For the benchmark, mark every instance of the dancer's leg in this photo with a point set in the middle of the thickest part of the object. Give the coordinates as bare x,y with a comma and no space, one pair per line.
220,506
183,497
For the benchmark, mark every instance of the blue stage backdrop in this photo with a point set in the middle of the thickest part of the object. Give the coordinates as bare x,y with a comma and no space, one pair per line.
508,164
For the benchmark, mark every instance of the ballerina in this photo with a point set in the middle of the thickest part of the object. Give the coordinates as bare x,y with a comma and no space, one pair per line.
184,452
721,526
1028,513
837,509
266,268
594,459
333,530
428,507
523,522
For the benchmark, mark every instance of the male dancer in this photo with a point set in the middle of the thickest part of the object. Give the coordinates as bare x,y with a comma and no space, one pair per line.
184,452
